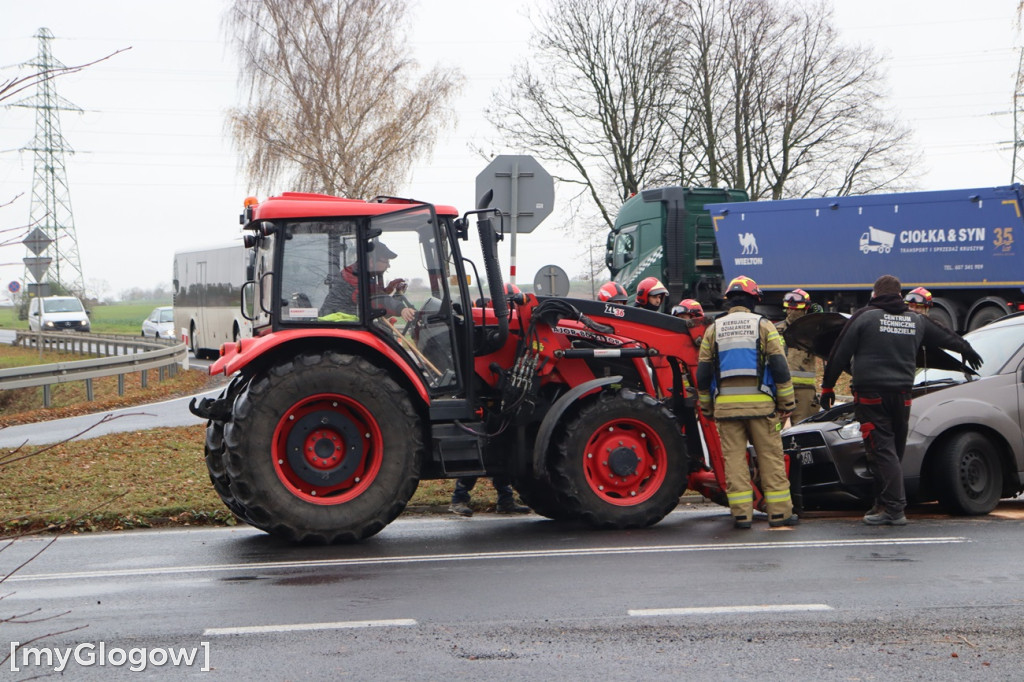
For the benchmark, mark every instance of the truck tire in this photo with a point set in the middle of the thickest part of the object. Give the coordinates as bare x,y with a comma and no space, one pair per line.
323,449
621,462
967,474
983,316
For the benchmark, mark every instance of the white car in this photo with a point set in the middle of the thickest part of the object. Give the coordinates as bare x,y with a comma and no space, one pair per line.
160,323
57,313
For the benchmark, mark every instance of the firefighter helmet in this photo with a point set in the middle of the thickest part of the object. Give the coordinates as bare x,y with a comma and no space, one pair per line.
649,286
612,292
688,306
798,299
919,296
743,285
511,289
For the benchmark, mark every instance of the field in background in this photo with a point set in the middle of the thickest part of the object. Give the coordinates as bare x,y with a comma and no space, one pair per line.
115,318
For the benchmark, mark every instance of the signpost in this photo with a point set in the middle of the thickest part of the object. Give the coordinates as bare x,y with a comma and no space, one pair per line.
551,280
523,192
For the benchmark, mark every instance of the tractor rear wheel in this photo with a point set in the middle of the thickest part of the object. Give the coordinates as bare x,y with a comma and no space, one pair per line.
621,462
325,448
542,498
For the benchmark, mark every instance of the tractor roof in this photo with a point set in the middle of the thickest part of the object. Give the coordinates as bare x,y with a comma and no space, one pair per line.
304,205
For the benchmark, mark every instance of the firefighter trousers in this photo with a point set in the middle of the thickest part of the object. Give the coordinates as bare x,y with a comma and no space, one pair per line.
764,434
883,418
806,404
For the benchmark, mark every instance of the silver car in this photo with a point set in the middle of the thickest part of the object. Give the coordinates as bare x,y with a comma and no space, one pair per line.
965,446
160,323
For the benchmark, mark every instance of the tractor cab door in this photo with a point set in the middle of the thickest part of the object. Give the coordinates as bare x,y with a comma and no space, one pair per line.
386,273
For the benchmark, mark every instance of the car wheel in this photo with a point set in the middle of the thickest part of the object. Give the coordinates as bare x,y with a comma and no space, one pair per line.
967,474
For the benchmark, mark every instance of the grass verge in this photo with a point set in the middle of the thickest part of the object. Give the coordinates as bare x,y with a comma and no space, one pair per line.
139,479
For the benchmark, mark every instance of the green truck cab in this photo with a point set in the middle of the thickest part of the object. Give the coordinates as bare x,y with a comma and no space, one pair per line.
667,233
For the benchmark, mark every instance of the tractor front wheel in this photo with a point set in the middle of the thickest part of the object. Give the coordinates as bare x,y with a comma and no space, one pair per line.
325,448
621,462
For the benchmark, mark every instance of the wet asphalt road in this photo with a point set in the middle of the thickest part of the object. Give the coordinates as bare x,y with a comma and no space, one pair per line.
437,598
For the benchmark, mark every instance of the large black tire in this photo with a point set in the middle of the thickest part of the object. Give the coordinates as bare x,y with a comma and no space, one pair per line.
983,316
542,498
216,465
325,448
621,462
967,474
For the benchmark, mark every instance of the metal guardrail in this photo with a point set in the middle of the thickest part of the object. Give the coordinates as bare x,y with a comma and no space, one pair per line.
120,355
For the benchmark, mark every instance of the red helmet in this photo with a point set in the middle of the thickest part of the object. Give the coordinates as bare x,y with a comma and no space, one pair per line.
511,289
649,286
688,306
743,285
612,292
919,296
798,299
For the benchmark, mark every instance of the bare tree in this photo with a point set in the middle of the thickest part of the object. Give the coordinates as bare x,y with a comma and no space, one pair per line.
805,112
599,96
332,106
759,95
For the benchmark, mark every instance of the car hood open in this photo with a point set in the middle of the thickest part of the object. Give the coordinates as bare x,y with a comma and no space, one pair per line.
817,332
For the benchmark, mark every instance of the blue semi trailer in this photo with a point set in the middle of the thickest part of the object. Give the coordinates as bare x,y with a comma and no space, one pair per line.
960,244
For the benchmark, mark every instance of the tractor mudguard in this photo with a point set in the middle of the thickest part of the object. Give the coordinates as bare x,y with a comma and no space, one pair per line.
547,427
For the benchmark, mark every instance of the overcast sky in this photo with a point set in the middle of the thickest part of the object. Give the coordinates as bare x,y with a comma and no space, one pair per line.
154,172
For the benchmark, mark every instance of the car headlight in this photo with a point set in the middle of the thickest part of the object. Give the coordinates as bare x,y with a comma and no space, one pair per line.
850,431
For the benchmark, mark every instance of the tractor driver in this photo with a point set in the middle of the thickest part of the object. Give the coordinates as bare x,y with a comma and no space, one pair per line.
344,294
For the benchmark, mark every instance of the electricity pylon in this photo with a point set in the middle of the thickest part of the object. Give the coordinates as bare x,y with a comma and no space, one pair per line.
52,244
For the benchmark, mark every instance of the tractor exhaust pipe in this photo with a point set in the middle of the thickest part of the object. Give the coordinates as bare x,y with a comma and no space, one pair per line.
495,338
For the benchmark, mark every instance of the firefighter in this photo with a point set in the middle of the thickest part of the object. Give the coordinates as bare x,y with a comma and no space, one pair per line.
688,309
612,292
919,300
743,383
803,366
650,294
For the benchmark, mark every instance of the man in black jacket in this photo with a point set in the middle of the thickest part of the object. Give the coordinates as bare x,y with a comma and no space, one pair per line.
878,347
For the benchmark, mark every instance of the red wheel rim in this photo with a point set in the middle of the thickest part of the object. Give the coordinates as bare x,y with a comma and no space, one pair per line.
625,462
327,449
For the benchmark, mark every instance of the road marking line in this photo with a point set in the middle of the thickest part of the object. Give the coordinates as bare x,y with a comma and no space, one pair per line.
489,556
716,610
304,627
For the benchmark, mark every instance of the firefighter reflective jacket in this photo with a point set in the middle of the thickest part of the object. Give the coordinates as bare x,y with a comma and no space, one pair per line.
742,368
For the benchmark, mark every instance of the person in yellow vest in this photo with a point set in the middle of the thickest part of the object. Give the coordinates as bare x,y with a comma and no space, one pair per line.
743,383
803,366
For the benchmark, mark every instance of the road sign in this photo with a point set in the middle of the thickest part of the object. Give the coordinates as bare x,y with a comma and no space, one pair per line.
37,266
551,280
37,241
14,286
523,192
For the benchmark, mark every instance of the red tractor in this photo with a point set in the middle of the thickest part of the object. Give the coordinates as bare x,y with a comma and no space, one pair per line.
371,369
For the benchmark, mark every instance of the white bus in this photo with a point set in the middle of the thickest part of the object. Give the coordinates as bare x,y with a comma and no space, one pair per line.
208,286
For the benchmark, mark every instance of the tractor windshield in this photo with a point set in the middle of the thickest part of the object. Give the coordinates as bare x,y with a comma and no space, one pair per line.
385,272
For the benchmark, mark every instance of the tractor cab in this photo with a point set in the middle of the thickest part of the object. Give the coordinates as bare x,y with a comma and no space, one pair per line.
387,267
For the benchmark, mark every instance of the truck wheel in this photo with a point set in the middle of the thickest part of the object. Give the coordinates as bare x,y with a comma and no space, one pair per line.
942,317
542,498
621,462
326,448
982,317
968,477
